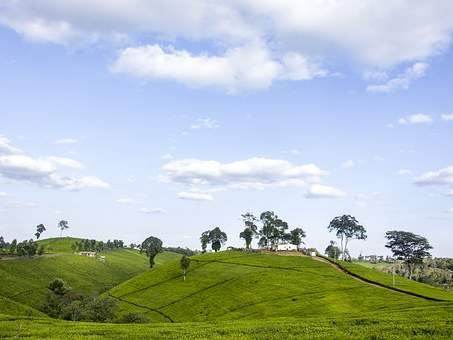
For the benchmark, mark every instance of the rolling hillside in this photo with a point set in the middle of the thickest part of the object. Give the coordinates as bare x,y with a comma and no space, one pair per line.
24,280
236,295
235,285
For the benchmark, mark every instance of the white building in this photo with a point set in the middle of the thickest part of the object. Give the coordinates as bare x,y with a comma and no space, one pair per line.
286,247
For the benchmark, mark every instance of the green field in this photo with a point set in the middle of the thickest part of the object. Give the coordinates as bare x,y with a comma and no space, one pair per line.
24,280
238,286
231,295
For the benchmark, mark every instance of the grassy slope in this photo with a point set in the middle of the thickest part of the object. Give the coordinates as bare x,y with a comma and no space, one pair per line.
58,244
25,280
425,323
234,285
400,282
8,306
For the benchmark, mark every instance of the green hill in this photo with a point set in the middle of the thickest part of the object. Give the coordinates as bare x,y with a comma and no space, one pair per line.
24,280
237,295
10,307
241,286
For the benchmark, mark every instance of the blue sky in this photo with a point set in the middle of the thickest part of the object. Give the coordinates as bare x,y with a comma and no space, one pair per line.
141,120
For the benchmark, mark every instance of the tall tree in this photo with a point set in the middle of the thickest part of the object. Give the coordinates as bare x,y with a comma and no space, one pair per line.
204,239
247,235
250,230
185,263
409,247
295,237
267,230
151,246
39,230
346,228
2,244
63,225
217,237
332,250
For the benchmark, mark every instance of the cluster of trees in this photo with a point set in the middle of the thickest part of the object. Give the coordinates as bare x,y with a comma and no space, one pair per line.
179,250
273,231
25,248
62,302
98,246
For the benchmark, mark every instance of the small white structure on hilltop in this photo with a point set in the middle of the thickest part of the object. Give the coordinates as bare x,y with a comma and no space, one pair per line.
88,253
286,247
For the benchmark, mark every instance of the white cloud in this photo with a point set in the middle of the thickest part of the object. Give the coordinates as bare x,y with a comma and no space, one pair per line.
44,172
240,68
152,211
126,200
195,196
402,81
67,162
323,191
450,211
371,32
348,164
6,147
450,193
404,172
374,34
204,123
67,141
3,194
447,117
418,118
249,173
437,177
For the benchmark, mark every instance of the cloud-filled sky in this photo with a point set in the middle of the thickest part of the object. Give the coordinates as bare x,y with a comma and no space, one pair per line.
165,118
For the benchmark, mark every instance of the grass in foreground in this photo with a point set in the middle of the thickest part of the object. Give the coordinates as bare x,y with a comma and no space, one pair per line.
423,323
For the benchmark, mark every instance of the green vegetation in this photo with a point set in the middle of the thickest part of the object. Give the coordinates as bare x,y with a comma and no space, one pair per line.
236,285
25,279
8,306
421,323
400,282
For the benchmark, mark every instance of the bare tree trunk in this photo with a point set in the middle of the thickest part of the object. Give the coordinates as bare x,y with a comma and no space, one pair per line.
345,247
184,275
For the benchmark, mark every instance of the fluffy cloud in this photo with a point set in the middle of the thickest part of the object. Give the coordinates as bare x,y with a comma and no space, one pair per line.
370,31
67,162
401,82
246,67
437,177
6,147
44,171
67,141
418,118
450,193
195,196
292,34
323,191
248,173
447,117
3,194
